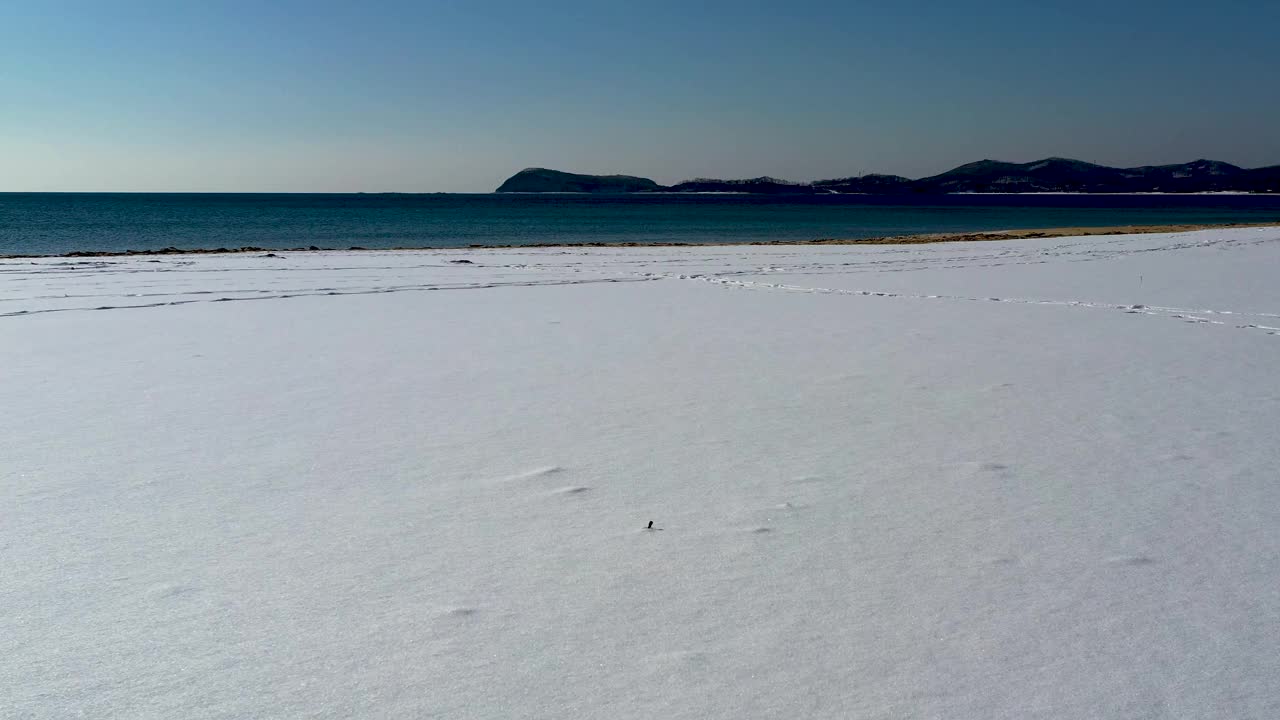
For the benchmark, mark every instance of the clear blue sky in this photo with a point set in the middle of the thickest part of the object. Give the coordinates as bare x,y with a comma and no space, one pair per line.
454,96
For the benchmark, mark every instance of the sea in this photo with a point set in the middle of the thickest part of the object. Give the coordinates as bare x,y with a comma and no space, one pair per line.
58,223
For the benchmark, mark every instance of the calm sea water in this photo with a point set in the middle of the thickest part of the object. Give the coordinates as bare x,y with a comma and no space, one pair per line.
54,223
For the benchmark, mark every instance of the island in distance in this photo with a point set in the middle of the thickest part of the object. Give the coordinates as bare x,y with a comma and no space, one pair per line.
984,176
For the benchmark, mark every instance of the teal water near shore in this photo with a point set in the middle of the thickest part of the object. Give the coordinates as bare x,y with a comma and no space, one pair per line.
57,223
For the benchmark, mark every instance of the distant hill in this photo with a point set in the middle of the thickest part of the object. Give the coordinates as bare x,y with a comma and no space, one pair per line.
1263,179
541,180
869,184
1064,175
755,186
1051,174
985,176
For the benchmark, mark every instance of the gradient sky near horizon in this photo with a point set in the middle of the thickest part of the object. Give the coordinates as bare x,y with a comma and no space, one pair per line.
423,96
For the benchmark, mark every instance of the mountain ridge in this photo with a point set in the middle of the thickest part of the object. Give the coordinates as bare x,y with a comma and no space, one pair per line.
1053,174
545,180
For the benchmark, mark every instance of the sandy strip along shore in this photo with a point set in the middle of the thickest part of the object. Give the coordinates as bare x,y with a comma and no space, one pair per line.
915,239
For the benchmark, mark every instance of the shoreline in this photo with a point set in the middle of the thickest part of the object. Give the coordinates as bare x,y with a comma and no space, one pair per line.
910,239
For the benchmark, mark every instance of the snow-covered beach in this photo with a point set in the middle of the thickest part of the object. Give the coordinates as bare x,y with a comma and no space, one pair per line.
1020,479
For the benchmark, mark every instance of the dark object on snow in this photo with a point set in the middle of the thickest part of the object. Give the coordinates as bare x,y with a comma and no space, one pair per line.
462,262
650,526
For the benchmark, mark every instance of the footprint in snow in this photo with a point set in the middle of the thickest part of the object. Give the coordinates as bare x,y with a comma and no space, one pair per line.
455,614
533,474
169,591
1001,560
679,661
1131,560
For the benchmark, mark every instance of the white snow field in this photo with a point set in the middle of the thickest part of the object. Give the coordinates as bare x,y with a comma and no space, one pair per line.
1024,479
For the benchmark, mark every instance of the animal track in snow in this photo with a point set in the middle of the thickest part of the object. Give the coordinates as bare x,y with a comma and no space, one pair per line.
1183,314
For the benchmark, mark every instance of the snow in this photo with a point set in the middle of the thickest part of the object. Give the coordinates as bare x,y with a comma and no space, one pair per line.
1022,479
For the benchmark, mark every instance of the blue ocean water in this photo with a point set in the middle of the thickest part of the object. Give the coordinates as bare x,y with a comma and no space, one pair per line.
55,223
